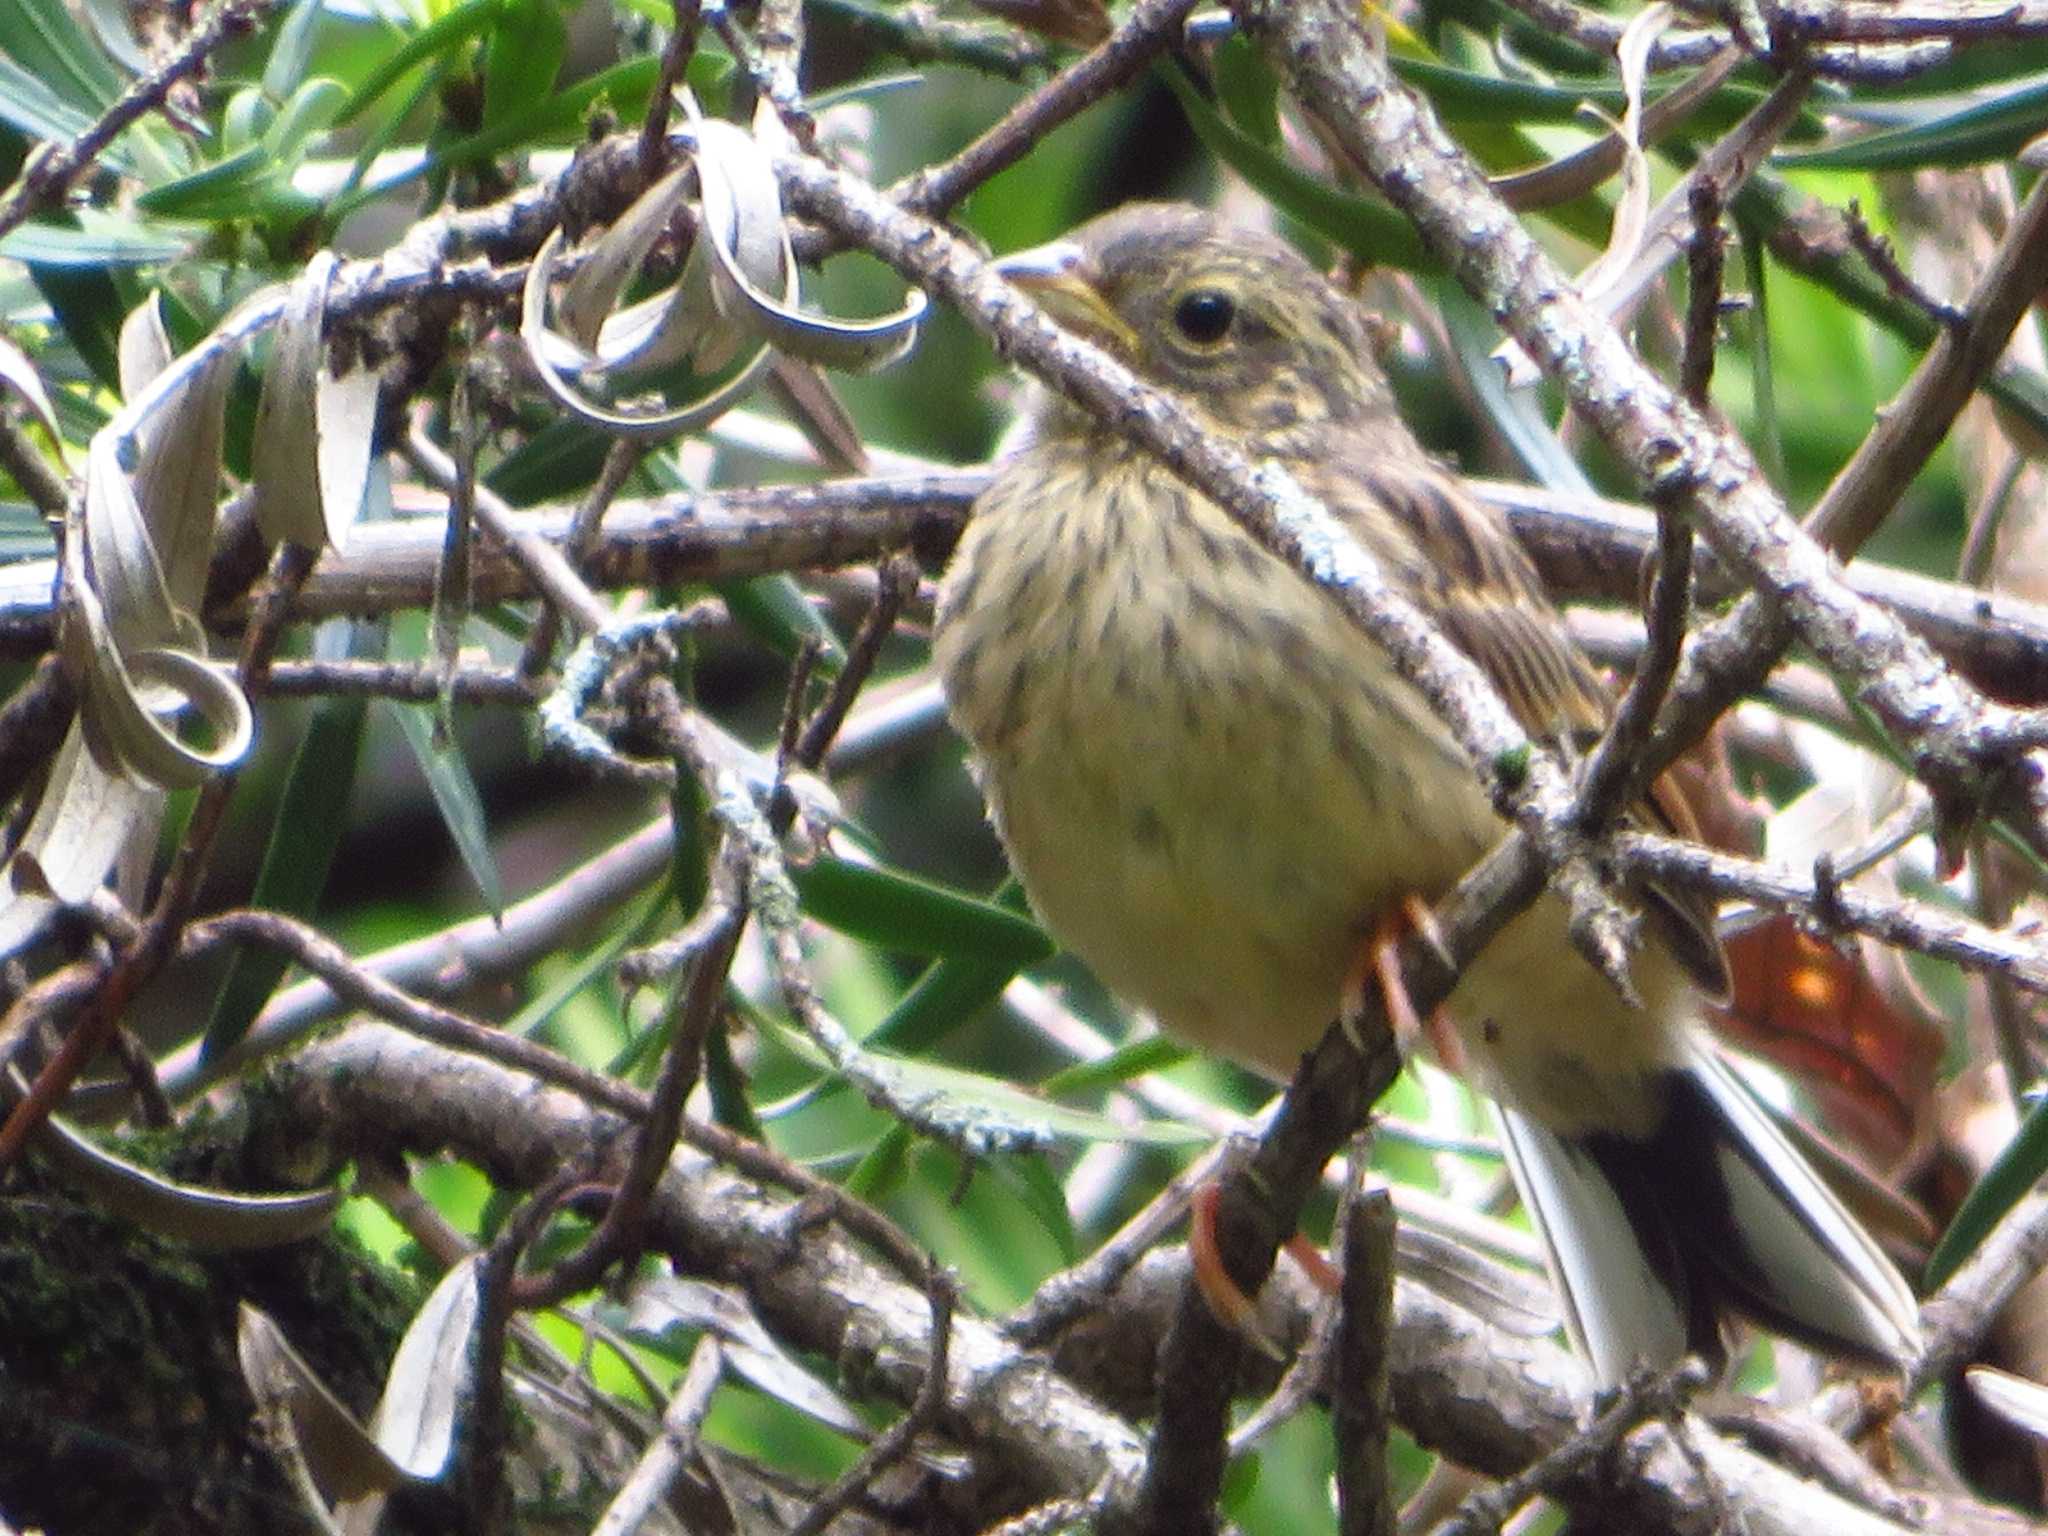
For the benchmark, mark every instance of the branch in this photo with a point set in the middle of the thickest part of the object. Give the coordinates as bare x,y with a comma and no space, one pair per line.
1487,1399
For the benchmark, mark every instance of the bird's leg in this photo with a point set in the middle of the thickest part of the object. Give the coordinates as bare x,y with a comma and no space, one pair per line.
1226,1298
1378,964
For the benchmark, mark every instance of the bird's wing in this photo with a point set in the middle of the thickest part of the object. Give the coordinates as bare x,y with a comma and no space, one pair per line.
1458,561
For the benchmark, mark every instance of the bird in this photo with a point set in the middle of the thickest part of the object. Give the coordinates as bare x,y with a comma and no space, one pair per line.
1220,794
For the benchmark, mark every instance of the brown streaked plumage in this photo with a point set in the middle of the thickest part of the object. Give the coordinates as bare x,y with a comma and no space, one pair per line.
1215,787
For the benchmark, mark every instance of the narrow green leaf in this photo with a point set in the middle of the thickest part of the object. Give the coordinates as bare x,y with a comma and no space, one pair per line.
523,58
88,308
1986,130
899,912
112,244
995,1099
223,188
312,815
776,611
29,104
1032,1182
286,66
559,460
42,37
2004,1185
1765,435
310,110
1248,89
447,32
882,1169
1154,1053
454,791
626,86
1370,230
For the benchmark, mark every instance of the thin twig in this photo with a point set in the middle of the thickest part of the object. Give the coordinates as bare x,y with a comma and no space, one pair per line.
1150,29
1486,1512
1359,1402
894,1443
675,63
666,1456
898,584
1914,424
1884,261
1703,301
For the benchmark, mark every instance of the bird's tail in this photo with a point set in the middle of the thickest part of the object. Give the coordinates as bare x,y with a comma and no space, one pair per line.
1650,1242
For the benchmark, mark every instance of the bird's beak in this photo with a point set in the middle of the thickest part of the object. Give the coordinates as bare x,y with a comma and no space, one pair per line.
1062,279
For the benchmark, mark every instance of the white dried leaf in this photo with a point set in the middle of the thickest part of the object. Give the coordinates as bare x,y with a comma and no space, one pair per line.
87,817
430,1378
205,1218
673,1301
311,460
20,375
284,460
177,469
588,297
1632,210
732,166
545,347
2013,1398
338,1451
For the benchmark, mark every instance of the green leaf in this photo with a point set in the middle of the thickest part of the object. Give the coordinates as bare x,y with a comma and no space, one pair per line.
561,459
89,309
30,105
1154,1053
2004,1185
524,56
454,791
881,1171
1764,434
1370,230
899,912
1248,89
446,33
112,243
310,110
1467,96
776,611
996,1099
595,963
1031,1181
225,189
1986,130
312,815
42,37
286,66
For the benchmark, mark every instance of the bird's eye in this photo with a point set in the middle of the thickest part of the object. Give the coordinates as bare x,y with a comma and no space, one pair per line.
1204,315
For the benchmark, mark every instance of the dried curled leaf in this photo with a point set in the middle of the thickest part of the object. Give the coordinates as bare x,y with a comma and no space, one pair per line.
305,1420
188,1213
430,1377
737,291
133,577
313,430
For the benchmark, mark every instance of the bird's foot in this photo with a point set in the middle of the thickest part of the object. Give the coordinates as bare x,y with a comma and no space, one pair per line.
1378,965
1226,1298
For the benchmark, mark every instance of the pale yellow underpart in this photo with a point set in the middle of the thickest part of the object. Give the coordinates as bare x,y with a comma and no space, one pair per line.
1214,786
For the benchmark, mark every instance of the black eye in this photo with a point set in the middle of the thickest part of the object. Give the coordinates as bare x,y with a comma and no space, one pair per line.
1204,315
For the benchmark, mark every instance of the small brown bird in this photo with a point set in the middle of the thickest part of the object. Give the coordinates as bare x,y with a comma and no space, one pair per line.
1218,791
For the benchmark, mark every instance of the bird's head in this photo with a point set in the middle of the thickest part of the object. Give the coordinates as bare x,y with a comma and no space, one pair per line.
1234,321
